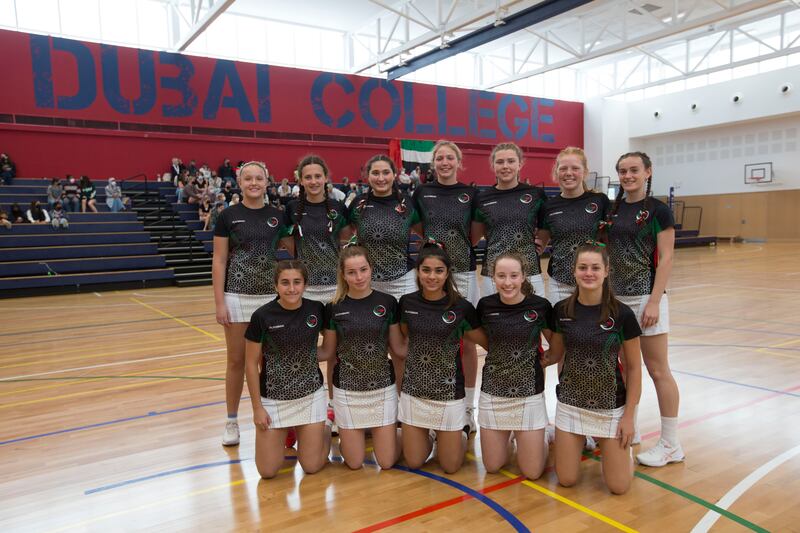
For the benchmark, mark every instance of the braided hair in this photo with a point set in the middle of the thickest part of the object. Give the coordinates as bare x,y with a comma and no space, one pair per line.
602,233
401,199
311,159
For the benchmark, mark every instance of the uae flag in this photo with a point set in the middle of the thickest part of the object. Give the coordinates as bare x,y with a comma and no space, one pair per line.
410,154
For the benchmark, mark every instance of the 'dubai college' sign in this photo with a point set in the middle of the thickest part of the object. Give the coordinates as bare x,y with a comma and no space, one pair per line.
54,77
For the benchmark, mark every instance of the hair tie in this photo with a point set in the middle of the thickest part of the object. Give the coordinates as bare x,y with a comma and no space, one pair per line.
605,224
299,229
433,242
353,241
596,243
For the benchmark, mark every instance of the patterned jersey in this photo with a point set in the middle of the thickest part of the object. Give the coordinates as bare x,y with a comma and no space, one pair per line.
362,334
446,215
318,246
511,217
571,222
633,245
513,368
383,230
591,377
288,339
253,236
433,366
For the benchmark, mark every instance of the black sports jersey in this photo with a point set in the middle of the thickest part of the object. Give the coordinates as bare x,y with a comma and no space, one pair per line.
318,237
571,222
362,334
591,377
288,339
513,368
383,229
511,217
253,236
433,366
633,245
446,215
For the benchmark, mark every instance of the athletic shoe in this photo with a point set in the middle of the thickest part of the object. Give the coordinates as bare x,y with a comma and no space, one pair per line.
231,435
291,438
661,454
471,426
332,422
590,445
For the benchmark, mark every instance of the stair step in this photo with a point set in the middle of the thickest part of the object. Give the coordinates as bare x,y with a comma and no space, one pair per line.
193,282
196,260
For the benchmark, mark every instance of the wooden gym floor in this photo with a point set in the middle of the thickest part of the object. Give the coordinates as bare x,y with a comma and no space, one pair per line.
112,409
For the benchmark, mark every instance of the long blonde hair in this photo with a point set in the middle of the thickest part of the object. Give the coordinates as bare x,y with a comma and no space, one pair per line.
348,252
442,143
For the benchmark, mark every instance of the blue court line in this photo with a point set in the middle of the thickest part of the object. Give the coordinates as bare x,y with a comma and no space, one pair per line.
712,345
496,507
757,387
766,332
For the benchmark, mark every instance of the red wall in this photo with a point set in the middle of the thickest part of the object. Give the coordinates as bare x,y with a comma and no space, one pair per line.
75,107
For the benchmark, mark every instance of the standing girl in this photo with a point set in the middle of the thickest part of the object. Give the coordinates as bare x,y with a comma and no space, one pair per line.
512,390
641,236
245,240
508,215
445,207
360,325
590,328
434,319
283,374
569,220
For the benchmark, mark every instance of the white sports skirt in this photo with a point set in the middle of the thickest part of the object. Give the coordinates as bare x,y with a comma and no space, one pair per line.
637,303
514,414
242,306
438,415
320,293
601,423
405,284
557,291
365,409
291,413
487,285
467,285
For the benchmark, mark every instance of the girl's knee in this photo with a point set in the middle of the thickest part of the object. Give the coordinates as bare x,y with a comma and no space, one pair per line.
618,486
268,472
493,466
451,466
354,464
312,466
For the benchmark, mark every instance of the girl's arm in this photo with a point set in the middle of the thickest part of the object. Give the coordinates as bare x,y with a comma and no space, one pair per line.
556,351
548,334
327,350
288,244
477,232
478,336
542,239
219,266
252,353
666,248
633,390
398,342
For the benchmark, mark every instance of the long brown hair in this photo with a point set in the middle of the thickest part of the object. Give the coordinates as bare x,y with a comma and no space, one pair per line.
602,234
348,252
436,250
609,305
527,287
310,159
290,264
401,200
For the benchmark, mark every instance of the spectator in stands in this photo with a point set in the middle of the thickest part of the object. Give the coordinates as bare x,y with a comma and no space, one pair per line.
191,193
416,174
17,216
166,177
295,190
4,222
37,215
192,168
54,192
226,171
284,191
404,181
179,189
344,186
235,199
114,196
176,167
204,211
58,218
219,207
228,192
215,183
351,194
71,195
335,193
220,199
205,171
88,195
8,170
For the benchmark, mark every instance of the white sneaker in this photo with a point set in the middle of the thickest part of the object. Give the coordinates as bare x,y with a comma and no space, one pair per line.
661,454
471,426
231,435
590,445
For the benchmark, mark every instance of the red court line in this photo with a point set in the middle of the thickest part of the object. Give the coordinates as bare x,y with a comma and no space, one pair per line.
436,506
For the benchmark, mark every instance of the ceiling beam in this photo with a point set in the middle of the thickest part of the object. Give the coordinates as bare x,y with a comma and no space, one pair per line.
217,9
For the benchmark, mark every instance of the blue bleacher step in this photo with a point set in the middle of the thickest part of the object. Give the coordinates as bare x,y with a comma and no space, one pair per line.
27,282
76,227
34,253
91,264
68,239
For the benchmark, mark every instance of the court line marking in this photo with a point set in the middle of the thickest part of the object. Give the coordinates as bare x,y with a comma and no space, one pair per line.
82,393
101,306
115,363
743,486
740,384
178,320
118,376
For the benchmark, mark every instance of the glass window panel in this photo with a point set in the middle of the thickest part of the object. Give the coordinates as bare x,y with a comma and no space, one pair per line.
81,18
8,16
38,15
153,25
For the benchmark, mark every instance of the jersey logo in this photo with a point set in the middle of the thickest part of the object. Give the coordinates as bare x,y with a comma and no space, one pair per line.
526,198
449,317
642,216
279,326
238,222
488,203
272,222
311,321
429,196
554,213
411,312
379,311
591,207
332,214
342,313
463,198
531,315
608,325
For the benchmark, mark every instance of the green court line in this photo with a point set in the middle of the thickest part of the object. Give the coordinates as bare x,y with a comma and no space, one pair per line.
89,378
692,498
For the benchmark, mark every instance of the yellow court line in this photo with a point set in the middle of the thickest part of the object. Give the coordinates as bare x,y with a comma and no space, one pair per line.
782,344
567,501
176,319
778,354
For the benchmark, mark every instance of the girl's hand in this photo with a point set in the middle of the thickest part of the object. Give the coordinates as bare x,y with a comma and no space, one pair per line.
625,432
650,315
261,419
223,318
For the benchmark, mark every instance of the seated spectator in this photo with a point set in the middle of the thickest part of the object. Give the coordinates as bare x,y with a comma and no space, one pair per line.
58,218
71,195
17,216
191,193
114,196
219,207
235,199
37,215
351,195
176,167
404,181
205,171
226,171
54,192
204,211
344,186
166,177
4,222
228,192
88,195
192,168
220,199
8,170
335,193
215,183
